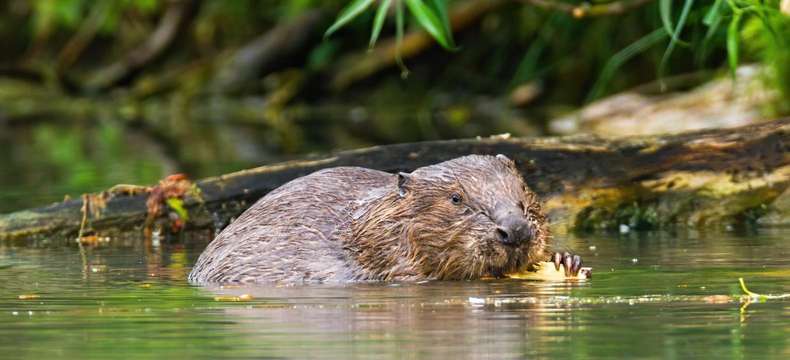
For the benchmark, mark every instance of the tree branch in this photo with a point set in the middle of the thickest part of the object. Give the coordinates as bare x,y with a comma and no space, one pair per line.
268,51
178,14
586,9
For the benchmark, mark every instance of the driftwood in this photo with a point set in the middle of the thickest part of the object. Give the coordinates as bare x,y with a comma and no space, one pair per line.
715,177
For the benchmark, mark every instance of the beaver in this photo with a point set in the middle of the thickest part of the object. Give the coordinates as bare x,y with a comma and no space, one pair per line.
466,218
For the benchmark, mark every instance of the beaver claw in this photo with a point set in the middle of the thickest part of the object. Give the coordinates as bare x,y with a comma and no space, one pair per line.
571,263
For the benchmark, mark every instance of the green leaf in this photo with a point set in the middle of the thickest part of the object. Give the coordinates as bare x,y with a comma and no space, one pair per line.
399,26
675,34
526,69
178,206
351,11
713,16
665,11
440,6
760,11
378,22
430,21
732,42
713,20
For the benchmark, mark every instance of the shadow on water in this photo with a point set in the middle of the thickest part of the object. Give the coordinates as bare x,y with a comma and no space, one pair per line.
651,295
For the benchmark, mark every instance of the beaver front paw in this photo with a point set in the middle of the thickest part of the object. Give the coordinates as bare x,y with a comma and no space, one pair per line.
571,263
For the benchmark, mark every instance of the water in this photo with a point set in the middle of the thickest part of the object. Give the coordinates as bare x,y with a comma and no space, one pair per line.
652,295
42,163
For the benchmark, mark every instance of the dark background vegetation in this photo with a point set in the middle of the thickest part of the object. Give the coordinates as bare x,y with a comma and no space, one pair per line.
94,93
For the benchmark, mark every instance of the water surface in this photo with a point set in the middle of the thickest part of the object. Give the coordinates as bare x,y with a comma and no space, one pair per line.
655,295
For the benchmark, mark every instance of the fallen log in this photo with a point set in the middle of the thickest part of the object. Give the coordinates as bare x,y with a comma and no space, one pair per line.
696,179
716,103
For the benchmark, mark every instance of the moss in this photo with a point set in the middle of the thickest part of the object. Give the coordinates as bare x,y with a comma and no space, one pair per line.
635,215
751,216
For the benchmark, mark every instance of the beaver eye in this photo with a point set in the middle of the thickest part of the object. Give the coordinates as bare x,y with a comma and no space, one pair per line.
455,198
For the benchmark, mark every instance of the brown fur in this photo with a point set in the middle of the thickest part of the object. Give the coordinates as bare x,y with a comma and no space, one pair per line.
351,224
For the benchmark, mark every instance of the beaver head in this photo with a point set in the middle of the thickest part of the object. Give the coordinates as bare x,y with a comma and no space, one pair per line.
465,218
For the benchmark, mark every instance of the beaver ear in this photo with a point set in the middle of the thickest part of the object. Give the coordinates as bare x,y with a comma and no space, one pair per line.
506,160
404,180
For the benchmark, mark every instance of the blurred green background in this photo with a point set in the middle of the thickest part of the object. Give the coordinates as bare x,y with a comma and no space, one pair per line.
95,93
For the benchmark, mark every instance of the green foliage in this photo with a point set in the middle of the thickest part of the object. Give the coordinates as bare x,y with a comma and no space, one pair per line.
399,37
378,22
295,7
665,10
675,33
351,11
622,56
51,15
707,25
759,32
430,19
431,16
732,42
713,19
746,30
177,205
766,38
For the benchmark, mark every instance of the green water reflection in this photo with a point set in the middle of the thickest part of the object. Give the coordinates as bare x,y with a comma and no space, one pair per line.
652,295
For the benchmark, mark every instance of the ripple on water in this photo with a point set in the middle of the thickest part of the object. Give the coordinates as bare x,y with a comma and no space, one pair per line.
676,301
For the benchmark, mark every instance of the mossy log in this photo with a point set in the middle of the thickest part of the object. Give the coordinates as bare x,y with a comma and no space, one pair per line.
705,178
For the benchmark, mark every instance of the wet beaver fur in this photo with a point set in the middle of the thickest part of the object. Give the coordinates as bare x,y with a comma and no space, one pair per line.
465,218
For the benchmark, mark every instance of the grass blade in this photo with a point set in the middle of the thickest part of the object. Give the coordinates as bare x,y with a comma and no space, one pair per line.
713,20
675,34
429,21
399,25
378,22
665,11
440,6
732,42
713,15
351,11
622,56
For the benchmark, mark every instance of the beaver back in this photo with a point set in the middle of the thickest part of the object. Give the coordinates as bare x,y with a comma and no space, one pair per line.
295,233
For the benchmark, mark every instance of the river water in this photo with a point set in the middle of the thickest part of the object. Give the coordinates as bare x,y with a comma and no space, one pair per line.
656,295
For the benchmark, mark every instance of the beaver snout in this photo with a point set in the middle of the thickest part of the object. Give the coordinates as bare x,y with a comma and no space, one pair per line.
513,230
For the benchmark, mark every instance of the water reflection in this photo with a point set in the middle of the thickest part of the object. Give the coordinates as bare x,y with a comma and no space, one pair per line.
131,300
434,320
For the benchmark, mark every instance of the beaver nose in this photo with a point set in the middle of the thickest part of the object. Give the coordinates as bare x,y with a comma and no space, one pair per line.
513,230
